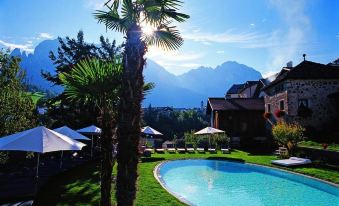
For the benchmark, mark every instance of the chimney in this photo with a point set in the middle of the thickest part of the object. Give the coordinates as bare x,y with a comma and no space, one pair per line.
304,55
289,64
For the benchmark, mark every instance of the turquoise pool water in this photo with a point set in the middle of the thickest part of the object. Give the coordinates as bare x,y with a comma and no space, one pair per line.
213,182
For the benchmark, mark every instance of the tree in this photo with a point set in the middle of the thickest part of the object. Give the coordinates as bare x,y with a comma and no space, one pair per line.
288,135
70,52
131,17
17,111
97,82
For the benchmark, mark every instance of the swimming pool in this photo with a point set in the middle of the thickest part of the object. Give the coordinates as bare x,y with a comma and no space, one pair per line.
213,182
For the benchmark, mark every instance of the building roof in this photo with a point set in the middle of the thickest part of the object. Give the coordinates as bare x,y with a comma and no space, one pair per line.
235,104
247,85
235,88
306,70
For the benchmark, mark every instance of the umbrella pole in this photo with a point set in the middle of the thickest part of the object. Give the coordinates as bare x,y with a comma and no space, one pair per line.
92,148
62,154
37,167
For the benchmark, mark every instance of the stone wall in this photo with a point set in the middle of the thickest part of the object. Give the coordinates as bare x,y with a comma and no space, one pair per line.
315,91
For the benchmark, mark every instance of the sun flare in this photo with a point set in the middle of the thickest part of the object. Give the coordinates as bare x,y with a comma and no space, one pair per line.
147,29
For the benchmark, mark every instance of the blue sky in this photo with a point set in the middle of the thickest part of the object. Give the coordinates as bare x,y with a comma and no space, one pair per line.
264,34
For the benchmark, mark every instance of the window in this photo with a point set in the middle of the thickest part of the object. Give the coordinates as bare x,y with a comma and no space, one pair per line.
279,88
303,103
281,105
269,108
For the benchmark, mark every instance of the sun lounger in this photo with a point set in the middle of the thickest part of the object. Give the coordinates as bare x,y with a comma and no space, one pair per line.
170,148
292,161
151,150
190,148
212,150
201,150
181,150
225,149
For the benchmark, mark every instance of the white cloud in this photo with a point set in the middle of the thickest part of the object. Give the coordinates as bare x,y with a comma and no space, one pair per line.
227,37
44,35
220,52
252,25
25,47
173,56
176,62
95,4
288,42
269,73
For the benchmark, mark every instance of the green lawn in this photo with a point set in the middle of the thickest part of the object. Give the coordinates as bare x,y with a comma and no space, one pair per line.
316,145
80,186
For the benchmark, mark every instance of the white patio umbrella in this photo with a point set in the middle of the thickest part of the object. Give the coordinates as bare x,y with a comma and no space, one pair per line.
209,131
39,140
90,130
69,133
150,131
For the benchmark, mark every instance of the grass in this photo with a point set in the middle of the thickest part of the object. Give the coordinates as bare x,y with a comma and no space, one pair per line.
316,145
80,186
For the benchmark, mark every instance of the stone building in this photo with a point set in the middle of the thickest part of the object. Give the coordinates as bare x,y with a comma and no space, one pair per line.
307,94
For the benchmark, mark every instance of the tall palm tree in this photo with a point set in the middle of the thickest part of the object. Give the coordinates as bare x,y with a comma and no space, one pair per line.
129,17
97,82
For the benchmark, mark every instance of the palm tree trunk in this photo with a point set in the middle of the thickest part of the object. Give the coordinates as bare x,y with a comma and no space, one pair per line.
129,117
108,125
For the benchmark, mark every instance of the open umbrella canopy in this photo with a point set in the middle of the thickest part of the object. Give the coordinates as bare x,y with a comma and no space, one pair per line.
39,139
209,130
71,133
150,131
92,130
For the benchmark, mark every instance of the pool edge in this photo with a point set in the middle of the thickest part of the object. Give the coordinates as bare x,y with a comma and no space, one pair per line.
157,176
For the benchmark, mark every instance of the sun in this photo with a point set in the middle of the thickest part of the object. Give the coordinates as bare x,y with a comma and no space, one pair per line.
147,29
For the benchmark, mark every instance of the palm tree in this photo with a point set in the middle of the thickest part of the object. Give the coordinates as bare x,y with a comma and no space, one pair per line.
130,17
97,82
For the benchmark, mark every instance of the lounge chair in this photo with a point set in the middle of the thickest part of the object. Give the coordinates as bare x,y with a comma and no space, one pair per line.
212,149
170,148
151,150
201,148
225,149
181,146
159,149
181,149
292,161
190,148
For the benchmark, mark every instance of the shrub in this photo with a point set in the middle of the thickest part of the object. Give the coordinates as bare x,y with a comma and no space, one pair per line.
288,135
279,113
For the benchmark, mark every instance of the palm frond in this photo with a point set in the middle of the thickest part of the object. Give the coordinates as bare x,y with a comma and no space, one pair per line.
167,37
92,81
112,20
148,87
157,12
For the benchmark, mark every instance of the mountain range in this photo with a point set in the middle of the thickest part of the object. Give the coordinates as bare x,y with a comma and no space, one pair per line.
183,91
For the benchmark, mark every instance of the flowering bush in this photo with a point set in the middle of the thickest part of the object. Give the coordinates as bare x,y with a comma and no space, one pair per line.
288,135
267,115
325,145
279,113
